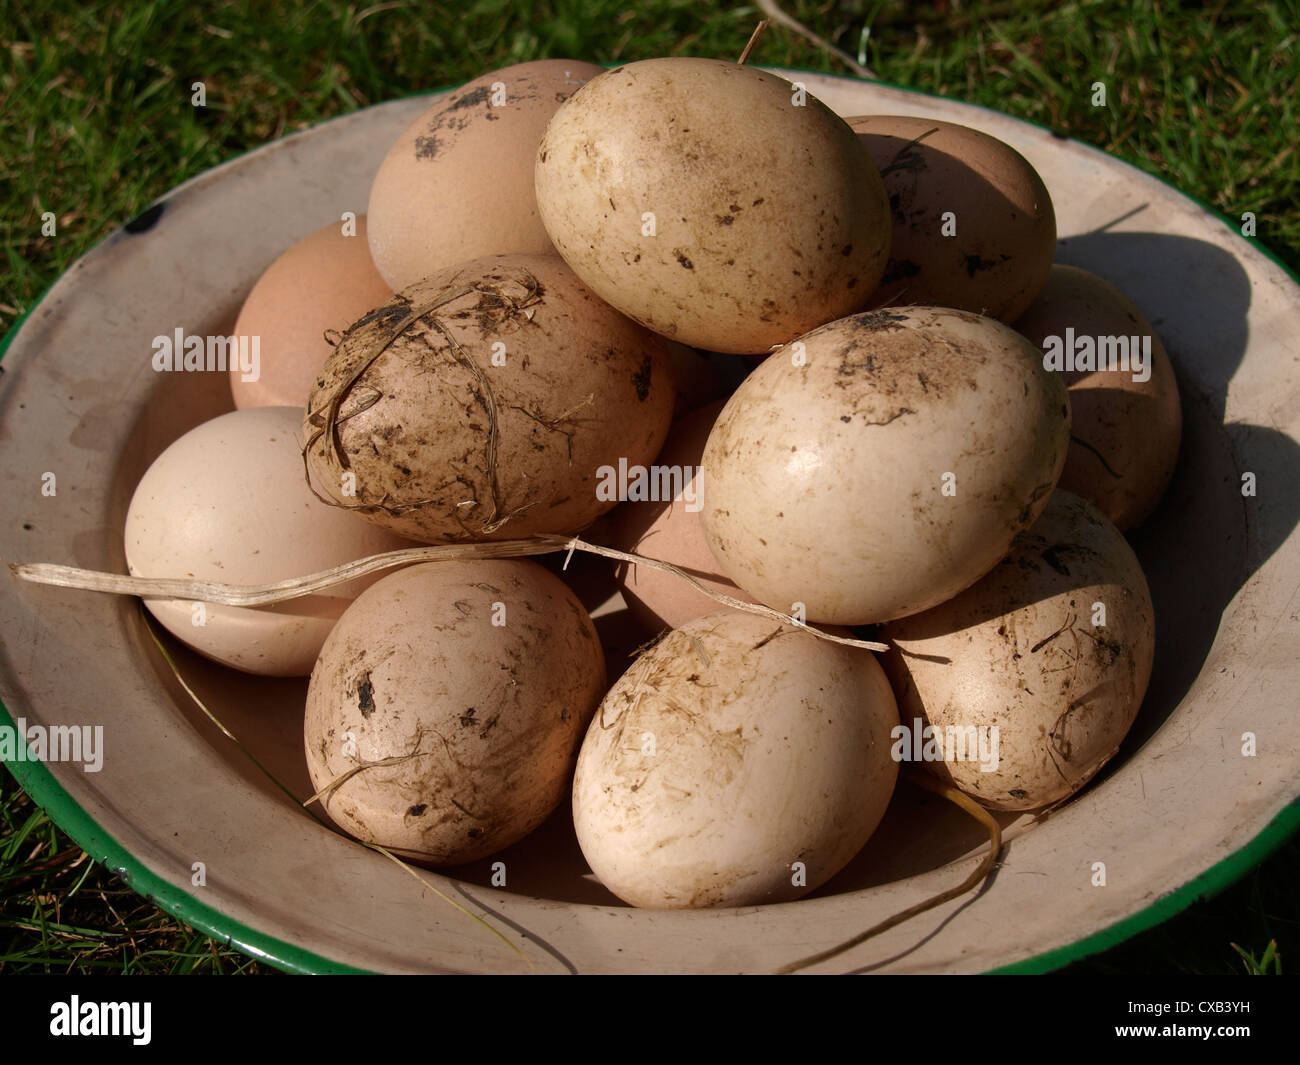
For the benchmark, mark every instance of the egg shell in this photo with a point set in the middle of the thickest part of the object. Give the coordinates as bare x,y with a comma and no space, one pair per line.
479,678
712,202
671,532
458,183
1126,432
324,282
996,259
1053,648
512,340
228,502
882,463
730,751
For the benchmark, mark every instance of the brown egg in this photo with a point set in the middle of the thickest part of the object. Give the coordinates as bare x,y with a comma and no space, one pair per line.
325,281
470,682
671,532
1127,422
458,184
974,227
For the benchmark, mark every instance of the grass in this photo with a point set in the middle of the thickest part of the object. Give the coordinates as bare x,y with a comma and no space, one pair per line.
98,123
60,912
1268,964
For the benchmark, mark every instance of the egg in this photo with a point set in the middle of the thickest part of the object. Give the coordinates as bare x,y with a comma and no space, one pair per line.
493,400
228,502
1030,679
973,224
473,681
714,203
324,282
668,529
458,183
738,761
1127,420
882,463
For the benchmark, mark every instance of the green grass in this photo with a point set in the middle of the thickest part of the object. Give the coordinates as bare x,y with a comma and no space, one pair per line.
97,123
60,912
1268,964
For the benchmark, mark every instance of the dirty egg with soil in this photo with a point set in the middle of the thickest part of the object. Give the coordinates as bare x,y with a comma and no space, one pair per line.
481,403
448,705
882,463
712,203
973,224
738,761
1053,649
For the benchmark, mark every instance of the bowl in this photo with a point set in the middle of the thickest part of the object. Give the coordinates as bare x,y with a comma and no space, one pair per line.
1203,788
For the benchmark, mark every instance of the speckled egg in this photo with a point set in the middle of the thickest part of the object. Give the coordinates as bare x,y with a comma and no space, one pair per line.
470,683
458,184
973,224
717,204
1030,679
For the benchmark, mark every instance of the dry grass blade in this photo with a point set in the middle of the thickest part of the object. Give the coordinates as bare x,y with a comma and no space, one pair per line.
279,592
753,40
447,899
343,778
171,664
267,594
920,778
717,597
772,11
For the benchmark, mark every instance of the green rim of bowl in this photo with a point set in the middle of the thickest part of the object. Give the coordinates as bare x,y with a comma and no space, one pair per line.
37,781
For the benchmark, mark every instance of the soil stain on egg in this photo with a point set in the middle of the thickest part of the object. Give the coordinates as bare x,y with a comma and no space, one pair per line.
641,379
426,147
470,99
974,263
365,695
